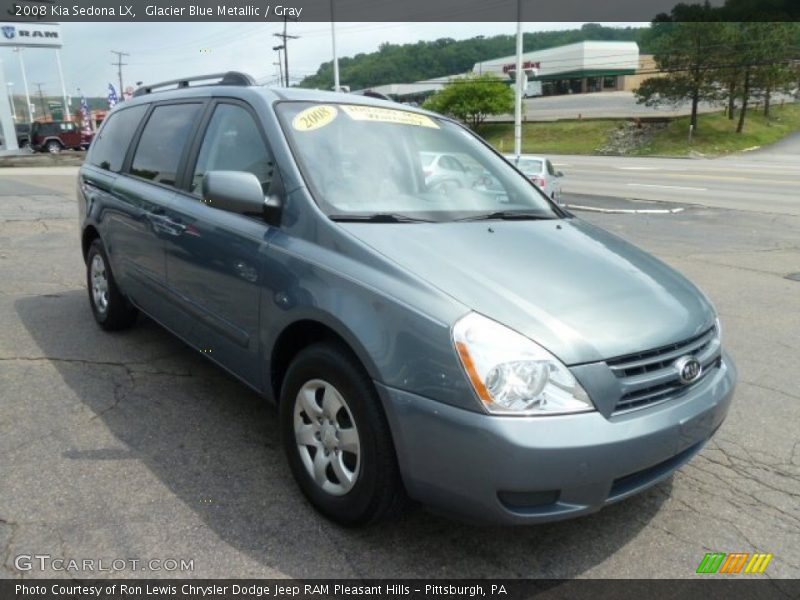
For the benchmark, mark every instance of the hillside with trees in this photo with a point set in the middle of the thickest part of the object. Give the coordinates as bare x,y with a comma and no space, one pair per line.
396,63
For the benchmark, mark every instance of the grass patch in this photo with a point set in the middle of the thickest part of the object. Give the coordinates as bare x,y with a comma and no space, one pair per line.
716,134
552,137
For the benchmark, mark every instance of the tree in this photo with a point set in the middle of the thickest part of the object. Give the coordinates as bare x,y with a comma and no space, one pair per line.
688,51
774,71
394,63
472,98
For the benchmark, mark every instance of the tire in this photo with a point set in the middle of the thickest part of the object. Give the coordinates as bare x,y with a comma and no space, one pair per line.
110,308
53,147
357,442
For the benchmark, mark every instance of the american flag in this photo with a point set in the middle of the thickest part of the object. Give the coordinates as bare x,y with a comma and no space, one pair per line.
86,116
112,96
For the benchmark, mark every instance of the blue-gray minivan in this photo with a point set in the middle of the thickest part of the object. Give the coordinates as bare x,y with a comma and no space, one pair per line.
466,344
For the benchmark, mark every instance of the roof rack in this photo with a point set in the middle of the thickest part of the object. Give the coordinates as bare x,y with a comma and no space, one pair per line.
229,78
373,94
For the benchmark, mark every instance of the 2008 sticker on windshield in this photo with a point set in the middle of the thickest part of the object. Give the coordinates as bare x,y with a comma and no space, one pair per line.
387,115
314,117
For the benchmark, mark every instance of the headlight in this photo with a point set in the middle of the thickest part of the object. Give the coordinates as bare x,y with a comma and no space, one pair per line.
718,325
512,374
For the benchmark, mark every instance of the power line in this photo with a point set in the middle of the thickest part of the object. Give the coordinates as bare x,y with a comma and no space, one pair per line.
119,64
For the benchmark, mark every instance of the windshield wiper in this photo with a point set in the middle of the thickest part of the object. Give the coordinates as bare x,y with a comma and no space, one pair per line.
508,215
378,218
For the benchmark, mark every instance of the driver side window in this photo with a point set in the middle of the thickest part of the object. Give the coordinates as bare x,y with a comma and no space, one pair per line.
233,143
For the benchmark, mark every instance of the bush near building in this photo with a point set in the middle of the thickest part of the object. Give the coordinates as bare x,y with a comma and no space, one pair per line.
472,98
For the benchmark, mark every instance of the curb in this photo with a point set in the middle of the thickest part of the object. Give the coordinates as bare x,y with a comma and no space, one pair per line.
626,211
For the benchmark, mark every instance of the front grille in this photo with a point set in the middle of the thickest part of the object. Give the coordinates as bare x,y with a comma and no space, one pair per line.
650,377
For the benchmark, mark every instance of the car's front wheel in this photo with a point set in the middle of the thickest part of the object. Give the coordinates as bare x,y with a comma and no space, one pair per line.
336,437
110,308
53,147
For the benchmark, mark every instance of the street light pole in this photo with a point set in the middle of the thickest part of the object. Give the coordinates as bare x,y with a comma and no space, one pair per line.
25,84
67,111
335,58
518,99
11,100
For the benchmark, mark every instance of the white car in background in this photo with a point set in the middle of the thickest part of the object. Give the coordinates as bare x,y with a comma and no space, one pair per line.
540,171
446,172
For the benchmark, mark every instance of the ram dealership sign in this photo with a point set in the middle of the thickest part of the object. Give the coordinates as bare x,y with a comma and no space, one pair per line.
39,35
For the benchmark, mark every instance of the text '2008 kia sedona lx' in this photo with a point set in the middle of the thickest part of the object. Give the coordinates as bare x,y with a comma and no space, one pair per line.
475,348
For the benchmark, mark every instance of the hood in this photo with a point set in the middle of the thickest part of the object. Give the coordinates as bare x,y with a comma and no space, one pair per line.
579,291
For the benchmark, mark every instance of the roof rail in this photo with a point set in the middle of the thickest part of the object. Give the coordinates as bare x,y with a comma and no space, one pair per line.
229,78
373,94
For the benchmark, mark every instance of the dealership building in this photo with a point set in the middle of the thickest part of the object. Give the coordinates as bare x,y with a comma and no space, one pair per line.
580,68
576,68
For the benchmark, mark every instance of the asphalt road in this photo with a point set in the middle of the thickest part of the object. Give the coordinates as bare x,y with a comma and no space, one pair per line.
131,445
617,105
765,181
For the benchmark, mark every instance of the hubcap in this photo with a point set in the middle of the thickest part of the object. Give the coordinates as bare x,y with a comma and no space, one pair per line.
326,436
99,283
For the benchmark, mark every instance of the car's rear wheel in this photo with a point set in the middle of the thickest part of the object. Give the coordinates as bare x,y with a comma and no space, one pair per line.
111,309
53,147
336,437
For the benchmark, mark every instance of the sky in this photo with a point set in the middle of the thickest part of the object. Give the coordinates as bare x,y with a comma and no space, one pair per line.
164,51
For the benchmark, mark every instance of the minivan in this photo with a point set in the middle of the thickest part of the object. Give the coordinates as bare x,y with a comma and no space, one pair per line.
476,349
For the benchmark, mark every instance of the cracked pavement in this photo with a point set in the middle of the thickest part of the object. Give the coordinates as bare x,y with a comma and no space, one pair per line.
131,445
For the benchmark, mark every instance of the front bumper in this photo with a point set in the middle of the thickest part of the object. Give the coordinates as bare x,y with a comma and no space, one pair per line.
518,470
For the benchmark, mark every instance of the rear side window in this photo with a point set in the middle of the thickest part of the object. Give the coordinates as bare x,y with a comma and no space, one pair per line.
233,143
162,142
111,145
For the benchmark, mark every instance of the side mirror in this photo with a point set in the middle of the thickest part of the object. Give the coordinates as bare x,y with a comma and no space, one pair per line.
559,173
237,191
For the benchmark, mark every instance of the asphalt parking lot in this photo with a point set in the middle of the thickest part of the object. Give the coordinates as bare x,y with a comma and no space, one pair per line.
131,445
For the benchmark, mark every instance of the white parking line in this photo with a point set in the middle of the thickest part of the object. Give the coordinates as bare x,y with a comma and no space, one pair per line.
668,187
627,211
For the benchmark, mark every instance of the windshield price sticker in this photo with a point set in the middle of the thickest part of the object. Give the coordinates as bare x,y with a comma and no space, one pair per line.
387,115
314,117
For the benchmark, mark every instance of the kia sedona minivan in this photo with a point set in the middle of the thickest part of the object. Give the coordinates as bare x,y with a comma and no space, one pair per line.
472,347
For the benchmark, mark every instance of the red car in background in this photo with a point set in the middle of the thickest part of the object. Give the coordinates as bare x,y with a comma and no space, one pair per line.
55,136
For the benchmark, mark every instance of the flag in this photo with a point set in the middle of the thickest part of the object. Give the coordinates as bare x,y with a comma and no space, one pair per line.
86,116
112,96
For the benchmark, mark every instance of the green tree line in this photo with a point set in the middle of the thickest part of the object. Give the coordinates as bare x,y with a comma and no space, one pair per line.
703,56
403,63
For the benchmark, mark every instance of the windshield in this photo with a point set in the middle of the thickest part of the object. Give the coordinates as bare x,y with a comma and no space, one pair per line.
363,161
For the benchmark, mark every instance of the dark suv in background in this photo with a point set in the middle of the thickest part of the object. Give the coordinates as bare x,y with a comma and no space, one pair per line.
55,136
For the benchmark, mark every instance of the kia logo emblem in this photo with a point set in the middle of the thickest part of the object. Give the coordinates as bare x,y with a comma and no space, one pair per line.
689,369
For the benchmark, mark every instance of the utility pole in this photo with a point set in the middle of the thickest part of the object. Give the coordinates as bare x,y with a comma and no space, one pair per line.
285,37
280,65
518,87
119,64
335,58
41,99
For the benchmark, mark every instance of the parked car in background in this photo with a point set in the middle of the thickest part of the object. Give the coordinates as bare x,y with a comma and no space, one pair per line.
55,136
541,172
445,171
23,135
